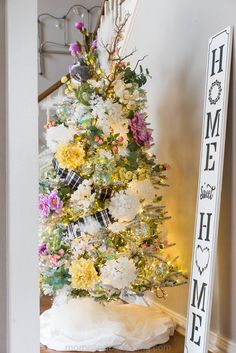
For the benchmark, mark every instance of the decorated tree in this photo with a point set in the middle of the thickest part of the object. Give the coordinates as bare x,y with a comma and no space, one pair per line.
100,202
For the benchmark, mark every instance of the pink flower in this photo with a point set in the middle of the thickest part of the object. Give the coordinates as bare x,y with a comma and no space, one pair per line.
55,259
120,139
44,208
61,252
75,49
54,201
79,25
115,149
141,134
121,64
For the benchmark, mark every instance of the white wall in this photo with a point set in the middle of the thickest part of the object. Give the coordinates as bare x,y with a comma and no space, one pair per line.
56,65
22,178
175,36
3,267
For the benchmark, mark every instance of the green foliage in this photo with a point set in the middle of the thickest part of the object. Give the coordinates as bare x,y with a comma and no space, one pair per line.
83,93
130,76
94,131
57,278
64,193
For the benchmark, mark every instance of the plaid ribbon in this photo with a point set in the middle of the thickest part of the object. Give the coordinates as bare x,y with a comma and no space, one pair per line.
104,193
102,217
62,173
74,180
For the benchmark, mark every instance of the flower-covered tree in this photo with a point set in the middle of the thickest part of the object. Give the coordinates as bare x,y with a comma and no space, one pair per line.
100,190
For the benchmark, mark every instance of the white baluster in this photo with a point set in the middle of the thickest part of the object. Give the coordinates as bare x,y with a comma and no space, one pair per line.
106,8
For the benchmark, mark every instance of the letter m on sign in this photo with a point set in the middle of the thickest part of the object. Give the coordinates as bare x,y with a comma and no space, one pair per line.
207,210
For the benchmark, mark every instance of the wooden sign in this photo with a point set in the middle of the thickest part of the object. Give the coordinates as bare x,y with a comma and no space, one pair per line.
209,192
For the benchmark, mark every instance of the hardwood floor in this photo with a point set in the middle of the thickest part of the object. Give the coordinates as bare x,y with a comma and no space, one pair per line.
175,345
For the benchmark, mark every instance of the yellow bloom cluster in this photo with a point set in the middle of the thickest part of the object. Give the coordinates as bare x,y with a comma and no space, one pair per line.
83,274
70,156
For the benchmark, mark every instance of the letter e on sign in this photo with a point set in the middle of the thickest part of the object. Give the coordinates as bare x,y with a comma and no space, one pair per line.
209,192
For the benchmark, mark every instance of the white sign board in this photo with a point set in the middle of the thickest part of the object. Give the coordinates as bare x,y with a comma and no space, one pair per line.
209,192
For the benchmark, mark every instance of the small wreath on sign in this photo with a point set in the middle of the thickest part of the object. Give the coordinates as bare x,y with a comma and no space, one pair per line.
214,84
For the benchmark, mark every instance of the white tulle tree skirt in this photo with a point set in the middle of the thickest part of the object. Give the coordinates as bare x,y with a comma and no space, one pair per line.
85,325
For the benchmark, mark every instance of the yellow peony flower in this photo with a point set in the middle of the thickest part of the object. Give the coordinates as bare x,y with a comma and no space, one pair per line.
70,156
83,274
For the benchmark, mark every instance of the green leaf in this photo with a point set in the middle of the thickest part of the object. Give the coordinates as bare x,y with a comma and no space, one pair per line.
94,130
133,147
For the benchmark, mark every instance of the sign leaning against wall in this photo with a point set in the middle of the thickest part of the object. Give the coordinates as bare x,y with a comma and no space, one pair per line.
209,192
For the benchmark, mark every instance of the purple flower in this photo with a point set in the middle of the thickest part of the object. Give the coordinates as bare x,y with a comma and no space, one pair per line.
43,206
75,49
95,44
79,25
54,201
141,134
43,249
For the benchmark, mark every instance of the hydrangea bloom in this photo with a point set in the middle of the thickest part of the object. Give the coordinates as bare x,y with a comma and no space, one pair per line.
118,273
144,190
83,198
124,206
59,135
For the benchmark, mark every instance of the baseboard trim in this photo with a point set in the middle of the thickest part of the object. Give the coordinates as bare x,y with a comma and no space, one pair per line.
217,343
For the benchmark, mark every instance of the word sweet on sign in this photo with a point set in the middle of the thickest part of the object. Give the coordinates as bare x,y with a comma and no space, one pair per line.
209,192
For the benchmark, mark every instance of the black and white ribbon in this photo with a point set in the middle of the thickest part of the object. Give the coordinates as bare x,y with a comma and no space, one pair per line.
74,180
102,217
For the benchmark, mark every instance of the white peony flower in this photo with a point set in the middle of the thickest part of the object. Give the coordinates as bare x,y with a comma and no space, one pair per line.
124,206
118,273
83,198
144,190
59,135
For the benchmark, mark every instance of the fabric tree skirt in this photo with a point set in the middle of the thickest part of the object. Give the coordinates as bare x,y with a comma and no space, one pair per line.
85,325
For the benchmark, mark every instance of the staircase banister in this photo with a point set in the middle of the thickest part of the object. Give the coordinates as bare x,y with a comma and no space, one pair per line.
58,84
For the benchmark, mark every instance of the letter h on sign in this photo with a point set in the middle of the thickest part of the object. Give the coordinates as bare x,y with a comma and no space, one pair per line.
207,210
